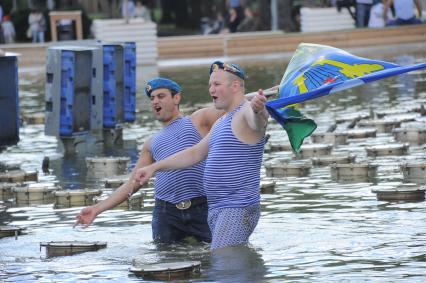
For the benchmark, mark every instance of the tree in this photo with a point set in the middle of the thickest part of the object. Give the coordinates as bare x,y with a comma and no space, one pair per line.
285,16
182,17
166,11
264,12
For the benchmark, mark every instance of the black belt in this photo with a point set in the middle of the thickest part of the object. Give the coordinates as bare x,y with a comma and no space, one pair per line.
183,204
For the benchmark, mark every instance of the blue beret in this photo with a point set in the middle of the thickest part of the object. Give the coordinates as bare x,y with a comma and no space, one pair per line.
231,68
161,83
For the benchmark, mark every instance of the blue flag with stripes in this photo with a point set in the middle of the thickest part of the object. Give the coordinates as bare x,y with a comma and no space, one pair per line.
318,70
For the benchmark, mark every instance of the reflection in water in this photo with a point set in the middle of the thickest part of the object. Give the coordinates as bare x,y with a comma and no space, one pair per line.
69,169
406,84
312,229
236,264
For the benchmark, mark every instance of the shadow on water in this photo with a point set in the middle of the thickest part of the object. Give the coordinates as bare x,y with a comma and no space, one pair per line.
231,264
236,264
69,169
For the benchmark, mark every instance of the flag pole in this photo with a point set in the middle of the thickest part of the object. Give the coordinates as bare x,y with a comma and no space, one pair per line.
267,92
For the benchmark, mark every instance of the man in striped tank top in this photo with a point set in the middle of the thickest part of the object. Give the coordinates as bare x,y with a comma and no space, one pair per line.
233,152
180,204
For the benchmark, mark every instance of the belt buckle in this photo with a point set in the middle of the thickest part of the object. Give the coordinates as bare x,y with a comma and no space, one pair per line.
183,205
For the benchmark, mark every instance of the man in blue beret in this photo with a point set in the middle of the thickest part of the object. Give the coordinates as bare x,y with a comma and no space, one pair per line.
180,203
233,151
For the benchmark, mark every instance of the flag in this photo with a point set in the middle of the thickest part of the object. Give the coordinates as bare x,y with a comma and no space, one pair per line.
318,70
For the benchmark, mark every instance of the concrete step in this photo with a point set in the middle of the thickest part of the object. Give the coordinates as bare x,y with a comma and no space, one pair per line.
179,47
144,34
325,19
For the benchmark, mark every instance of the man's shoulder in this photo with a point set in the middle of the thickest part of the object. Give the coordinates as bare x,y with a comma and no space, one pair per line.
203,119
203,115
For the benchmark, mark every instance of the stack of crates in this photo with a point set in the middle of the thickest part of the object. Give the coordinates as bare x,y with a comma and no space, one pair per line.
119,84
73,90
129,81
9,100
89,88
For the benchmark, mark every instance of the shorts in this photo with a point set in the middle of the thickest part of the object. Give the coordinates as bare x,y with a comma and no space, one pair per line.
232,226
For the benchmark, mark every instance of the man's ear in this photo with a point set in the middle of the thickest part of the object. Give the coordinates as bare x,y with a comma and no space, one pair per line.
177,97
235,85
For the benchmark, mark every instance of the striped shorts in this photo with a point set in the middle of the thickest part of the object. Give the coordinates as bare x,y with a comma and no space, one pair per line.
232,226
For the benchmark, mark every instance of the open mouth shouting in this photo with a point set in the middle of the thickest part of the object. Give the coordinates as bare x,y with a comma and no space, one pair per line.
157,109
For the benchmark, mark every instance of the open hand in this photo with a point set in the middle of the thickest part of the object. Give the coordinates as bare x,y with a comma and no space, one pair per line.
86,216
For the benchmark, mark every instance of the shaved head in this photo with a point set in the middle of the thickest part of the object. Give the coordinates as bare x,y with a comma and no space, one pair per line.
231,78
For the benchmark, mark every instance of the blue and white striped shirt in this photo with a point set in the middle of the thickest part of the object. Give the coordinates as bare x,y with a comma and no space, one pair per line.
177,185
232,174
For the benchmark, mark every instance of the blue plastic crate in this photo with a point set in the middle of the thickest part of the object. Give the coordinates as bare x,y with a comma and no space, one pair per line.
129,81
73,90
67,93
75,103
9,101
110,87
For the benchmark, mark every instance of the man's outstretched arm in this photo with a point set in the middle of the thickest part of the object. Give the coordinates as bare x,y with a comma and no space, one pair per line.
183,159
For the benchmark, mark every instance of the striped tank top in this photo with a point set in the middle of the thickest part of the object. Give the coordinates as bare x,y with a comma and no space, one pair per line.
177,185
232,174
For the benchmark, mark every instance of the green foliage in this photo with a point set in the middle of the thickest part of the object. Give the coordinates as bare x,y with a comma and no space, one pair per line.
156,15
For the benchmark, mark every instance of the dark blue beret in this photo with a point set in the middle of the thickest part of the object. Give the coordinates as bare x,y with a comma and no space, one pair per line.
161,83
231,68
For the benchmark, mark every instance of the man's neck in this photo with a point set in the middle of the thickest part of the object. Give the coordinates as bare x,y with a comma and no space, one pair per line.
175,117
239,99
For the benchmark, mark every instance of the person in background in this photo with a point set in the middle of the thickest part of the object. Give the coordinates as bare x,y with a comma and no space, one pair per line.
50,4
233,151
141,11
128,11
217,25
404,12
180,204
249,23
376,15
8,30
37,25
363,12
233,20
238,5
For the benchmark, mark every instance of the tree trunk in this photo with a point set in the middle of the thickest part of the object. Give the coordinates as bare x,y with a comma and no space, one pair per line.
195,6
90,6
207,9
64,4
15,6
182,18
105,7
166,11
285,19
264,12
114,9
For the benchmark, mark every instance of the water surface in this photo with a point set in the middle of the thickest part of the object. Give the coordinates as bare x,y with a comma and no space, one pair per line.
312,229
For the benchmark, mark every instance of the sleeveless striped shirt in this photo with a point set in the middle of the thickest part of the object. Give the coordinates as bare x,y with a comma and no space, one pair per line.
177,185
232,174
